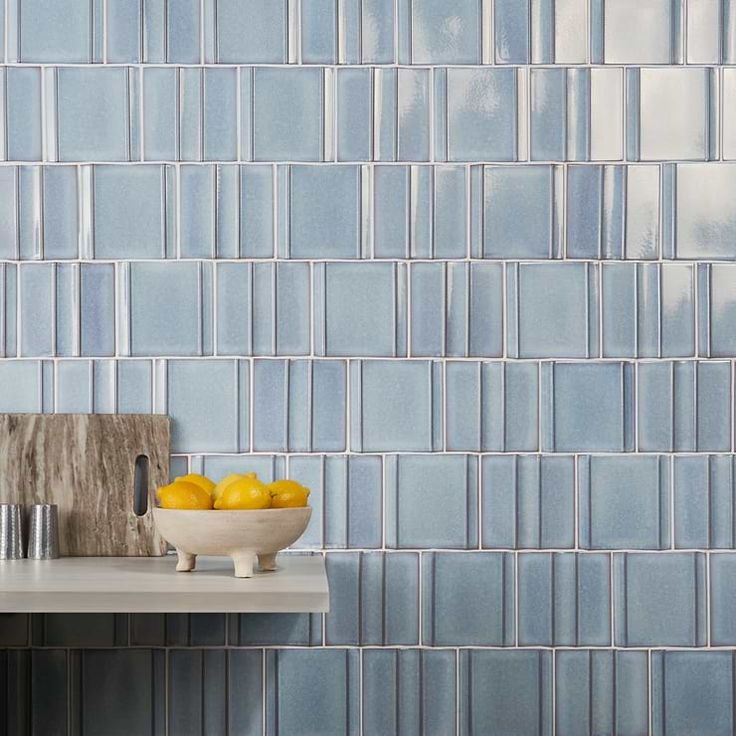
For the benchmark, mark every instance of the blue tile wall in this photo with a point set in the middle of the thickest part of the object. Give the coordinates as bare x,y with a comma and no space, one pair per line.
467,270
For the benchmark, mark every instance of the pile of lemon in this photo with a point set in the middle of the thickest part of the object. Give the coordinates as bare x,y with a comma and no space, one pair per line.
233,492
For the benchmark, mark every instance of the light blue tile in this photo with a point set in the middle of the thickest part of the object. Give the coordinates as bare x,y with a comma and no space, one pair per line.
442,34
8,210
123,32
312,691
93,114
620,292
564,599
160,117
714,392
548,106
391,217
528,501
722,599
510,420
449,226
517,210
483,326
554,306
463,397
601,692
428,309
511,25
166,309
318,32
389,598
251,32
277,93
183,32
197,186
134,387
704,501
413,114
375,323
55,32
408,691
270,404
234,316
37,285
692,692
23,113
220,115
481,114
342,624
583,227
74,387
655,406
190,103
327,431
432,501
310,471
9,310
29,218
377,31
638,33
718,309
97,317
353,501
154,32
256,212
587,407
394,408
208,404
324,212
677,295
642,230
60,213
354,114
118,191
245,667
468,599
577,116
511,690
278,629
624,502
385,119
281,309
668,95
705,226
659,600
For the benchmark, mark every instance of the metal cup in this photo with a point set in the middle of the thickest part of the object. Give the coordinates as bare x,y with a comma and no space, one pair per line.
11,531
43,532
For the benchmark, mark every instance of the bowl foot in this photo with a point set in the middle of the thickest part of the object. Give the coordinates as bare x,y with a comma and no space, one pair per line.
267,561
244,562
185,561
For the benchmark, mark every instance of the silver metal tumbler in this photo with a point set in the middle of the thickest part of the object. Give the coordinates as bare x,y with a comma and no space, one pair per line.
43,531
11,531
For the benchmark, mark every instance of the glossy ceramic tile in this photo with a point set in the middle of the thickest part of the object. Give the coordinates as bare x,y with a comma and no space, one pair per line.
518,210
601,692
659,599
639,33
468,597
480,119
431,501
703,501
276,93
55,33
722,580
324,212
564,599
587,406
208,402
118,191
22,109
60,212
251,32
717,304
511,26
408,690
512,690
624,502
312,690
528,501
692,690
394,405
442,34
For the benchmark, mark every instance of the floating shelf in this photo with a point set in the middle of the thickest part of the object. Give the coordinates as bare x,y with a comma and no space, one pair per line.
151,585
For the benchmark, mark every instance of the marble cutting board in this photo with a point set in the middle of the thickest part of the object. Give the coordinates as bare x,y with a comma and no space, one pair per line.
86,463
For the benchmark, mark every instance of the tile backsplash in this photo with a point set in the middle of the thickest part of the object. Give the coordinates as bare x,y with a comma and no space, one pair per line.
468,270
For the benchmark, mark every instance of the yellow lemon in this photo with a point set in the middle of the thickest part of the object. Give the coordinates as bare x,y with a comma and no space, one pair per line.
224,483
182,494
287,494
199,480
244,493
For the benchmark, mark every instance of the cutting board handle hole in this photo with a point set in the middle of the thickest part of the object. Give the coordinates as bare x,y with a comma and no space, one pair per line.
140,486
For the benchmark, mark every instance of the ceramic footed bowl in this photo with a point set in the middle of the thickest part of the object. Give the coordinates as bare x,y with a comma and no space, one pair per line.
240,535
